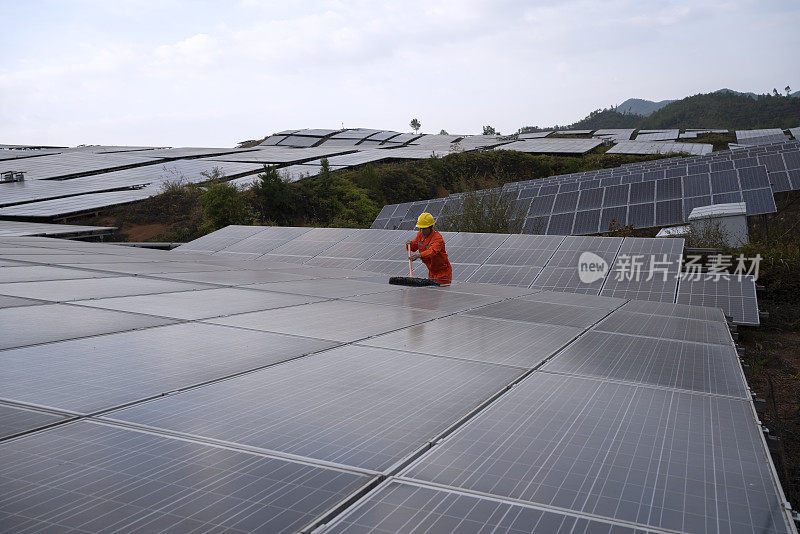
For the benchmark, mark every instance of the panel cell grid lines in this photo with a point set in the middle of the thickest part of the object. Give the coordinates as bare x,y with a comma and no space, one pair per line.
89,477
645,269
619,451
735,295
108,371
481,339
261,242
16,420
408,507
311,243
696,367
360,245
471,248
359,406
553,146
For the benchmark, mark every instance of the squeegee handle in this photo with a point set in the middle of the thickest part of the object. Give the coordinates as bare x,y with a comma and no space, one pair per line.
410,269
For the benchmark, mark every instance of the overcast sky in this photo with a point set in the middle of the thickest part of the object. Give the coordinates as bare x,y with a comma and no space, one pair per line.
212,73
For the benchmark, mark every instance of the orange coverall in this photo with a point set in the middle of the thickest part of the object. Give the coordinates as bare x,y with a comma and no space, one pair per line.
433,256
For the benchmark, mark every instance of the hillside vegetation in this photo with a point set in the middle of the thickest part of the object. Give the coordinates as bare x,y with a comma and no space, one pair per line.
344,198
713,110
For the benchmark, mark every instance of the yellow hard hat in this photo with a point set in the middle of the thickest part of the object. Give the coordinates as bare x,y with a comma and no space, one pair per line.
425,220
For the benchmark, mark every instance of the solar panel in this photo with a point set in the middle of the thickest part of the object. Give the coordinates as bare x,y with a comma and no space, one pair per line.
17,420
201,304
472,248
311,243
262,242
66,290
644,192
541,312
378,406
428,299
675,310
91,477
586,222
645,269
113,370
677,328
382,405
221,239
506,275
759,201
617,451
573,247
696,367
696,185
561,224
408,507
735,295
553,146
65,322
616,195
481,339
617,216
565,202
641,215
669,212
336,320
724,182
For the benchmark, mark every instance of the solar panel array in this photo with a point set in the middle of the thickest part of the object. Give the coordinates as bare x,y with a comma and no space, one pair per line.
644,195
318,400
658,135
635,268
553,146
20,228
660,147
760,137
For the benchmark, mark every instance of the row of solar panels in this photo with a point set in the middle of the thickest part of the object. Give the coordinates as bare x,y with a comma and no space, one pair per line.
315,403
103,169
647,194
538,262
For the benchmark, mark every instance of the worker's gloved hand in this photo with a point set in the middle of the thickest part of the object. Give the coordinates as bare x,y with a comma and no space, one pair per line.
415,256
408,244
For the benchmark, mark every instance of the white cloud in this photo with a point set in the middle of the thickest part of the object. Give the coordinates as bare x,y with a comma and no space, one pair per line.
190,77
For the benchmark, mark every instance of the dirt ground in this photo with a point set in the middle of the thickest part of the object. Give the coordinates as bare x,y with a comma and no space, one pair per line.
772,353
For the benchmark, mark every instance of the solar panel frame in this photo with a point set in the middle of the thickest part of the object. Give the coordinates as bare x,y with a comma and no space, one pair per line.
101,477
697,367
533,445
366,425
407,507
735,295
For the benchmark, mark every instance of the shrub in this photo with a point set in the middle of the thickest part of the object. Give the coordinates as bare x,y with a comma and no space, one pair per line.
223,204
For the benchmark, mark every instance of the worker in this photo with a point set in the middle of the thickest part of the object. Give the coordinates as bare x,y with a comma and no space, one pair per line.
430,245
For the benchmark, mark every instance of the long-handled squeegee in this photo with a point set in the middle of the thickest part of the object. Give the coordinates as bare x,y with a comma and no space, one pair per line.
410,280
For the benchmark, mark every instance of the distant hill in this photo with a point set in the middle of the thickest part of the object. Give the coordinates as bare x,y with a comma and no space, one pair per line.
637,106
732,92
720,109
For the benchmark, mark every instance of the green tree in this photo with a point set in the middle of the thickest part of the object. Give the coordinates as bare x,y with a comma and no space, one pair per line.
482,211
788,90
415,125
223,204
274,198
488,130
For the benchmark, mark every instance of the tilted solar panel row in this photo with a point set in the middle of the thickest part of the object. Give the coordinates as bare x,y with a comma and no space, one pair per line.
649,194
545,262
